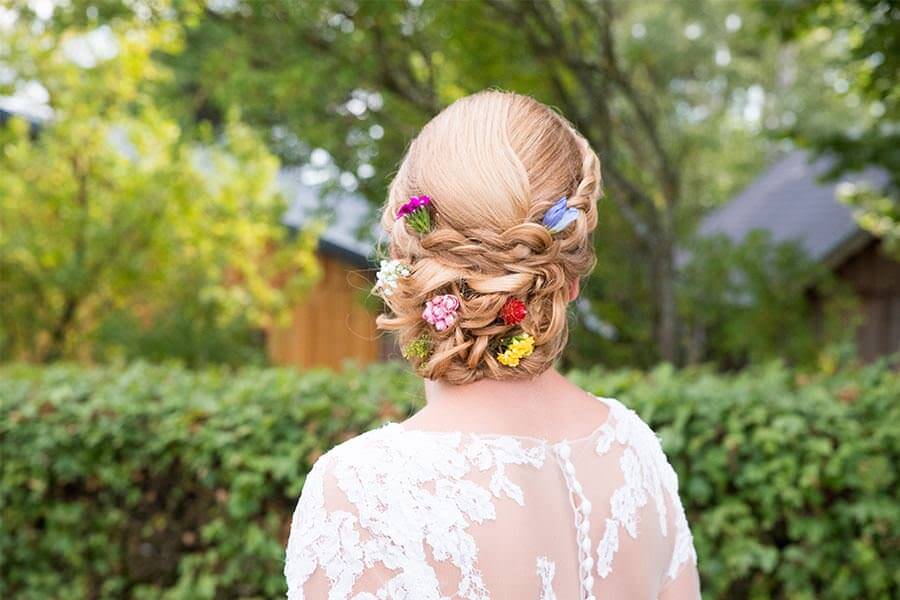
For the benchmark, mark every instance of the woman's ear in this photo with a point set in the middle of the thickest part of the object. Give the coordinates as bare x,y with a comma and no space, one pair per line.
574,289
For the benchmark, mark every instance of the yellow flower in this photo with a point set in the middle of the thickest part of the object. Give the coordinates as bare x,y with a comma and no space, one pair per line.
507,358
523,346
518,348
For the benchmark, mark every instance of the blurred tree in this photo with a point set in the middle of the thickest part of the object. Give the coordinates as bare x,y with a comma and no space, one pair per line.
111,211
861,71
676,97
656,87
756,300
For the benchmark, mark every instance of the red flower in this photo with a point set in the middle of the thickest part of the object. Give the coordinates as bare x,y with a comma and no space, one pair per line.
513,312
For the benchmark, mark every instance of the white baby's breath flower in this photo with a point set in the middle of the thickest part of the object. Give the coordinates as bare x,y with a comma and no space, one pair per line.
388,277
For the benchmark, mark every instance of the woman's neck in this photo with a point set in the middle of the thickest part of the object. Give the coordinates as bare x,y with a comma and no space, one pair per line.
547,406
510,392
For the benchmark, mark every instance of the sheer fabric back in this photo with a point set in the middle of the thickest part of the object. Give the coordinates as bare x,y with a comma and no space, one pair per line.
405,514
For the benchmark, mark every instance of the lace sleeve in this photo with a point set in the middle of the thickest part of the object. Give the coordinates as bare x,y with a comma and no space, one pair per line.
684,586
682,582
349,540
324,557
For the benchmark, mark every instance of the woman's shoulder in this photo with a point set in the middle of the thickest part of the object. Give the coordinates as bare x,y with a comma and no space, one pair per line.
372,449
394,447
621,426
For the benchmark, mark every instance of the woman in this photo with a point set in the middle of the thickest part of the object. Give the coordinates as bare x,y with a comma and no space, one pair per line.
511,482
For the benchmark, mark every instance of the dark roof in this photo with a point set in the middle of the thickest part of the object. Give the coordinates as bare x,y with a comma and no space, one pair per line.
791,202
349,233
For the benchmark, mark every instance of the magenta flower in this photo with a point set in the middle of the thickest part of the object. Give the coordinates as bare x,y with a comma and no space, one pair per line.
440,311
417,213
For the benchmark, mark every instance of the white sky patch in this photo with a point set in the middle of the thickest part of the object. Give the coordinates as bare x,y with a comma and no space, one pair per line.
348,181
319,158
753,109
35,92
638,30
733,22
25,109
223,6
875,59
375,101
693,31
8,18
92,48
31,100
357,107
723,56
43,9
376,132
7,75
365,171
315,177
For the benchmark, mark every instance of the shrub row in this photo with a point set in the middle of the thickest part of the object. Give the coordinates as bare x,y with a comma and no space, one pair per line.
157,482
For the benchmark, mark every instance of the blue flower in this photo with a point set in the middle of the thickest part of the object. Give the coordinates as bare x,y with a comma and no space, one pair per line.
559,216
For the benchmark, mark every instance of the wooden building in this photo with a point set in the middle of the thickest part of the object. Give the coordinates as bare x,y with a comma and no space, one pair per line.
792,203
334,323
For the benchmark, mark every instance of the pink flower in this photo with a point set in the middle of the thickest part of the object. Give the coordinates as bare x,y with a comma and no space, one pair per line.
414,204
440,311
416,212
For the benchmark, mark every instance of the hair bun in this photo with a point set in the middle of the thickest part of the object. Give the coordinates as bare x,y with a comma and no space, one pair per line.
493,164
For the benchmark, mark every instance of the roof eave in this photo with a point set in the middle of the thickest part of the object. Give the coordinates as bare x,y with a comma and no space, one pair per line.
357,259
847,248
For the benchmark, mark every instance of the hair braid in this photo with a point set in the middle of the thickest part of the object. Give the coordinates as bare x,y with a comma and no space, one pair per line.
494,163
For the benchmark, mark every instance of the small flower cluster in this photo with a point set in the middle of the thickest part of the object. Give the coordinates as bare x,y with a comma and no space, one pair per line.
560,216
418,348
417,213
388,277
440,311
515,349
513,311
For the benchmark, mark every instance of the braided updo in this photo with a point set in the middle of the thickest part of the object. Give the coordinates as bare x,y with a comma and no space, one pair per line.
493,163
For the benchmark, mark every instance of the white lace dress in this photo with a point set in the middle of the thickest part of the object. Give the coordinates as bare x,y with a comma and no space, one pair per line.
415,515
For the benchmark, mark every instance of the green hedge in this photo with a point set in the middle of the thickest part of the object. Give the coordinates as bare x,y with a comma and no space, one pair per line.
157,482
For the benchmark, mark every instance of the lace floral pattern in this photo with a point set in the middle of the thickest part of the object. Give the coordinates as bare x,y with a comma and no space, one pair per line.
496,453
546,570
385,515
648,477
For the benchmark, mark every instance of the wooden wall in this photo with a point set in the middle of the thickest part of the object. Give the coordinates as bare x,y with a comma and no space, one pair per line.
330,326
875,279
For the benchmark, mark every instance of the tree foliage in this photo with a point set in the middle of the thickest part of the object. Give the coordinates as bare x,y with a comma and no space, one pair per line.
747,302
860,71
112,213
658,89
684,101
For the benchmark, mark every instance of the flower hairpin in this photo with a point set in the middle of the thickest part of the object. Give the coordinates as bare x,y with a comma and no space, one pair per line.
515,349
513,311
418,348
388,277
417,213
560,216
441,310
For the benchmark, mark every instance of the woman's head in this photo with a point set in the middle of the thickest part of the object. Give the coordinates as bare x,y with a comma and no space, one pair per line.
493,164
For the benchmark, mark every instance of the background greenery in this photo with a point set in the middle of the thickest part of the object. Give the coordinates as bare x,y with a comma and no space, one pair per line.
140,226
685,100
158,482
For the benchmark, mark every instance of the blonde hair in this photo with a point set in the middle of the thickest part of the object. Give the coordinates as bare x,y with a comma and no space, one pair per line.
493,164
